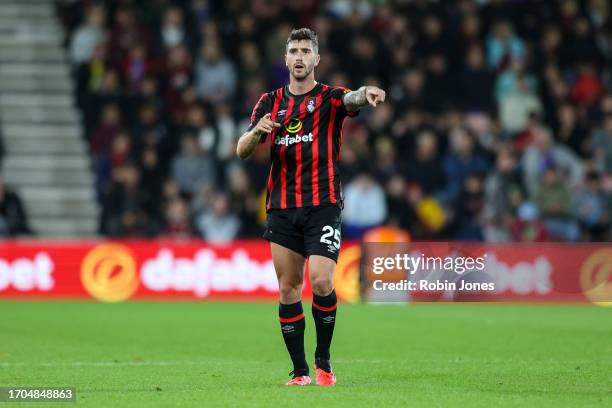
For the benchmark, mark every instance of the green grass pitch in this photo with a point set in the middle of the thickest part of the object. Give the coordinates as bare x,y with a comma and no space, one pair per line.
144,354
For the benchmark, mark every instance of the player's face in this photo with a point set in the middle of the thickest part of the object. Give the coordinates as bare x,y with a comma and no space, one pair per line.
301,58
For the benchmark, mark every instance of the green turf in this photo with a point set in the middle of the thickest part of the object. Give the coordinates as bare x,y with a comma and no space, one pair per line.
231,354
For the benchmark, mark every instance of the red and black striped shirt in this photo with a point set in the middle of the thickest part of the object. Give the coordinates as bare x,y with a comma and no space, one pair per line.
305,150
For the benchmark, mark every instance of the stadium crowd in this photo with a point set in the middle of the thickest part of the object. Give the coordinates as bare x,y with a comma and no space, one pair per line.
497,125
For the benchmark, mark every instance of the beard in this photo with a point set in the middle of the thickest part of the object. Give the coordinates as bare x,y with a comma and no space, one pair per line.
303,73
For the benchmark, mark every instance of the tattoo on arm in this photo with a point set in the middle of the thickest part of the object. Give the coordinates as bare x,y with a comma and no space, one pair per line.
354,100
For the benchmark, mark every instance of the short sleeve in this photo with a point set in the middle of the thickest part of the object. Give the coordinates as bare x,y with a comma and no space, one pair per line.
261,108
338,93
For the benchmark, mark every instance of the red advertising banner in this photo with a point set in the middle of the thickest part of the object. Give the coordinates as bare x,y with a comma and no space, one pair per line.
115,271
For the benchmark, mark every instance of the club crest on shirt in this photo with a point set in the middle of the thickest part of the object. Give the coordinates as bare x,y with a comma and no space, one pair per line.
311,105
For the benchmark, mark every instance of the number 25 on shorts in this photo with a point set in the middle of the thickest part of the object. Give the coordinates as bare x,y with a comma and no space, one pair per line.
329,232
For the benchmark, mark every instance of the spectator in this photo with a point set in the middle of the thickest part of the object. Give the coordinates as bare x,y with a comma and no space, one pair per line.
126,209
425,168
503,46
102,137
152,172
470,37
516,108
580,45
136,65
440,86
244,203
365,206
178,73
504,193
147,93
104,163
385,164
90,74
202,10
602,146
172,31
588,87
150,131
591,208
215,74
177,220
227,131
127,32
192,169
88,36
570,131
527,227
542,154
507,81
13,219
554,201
459,162
197,123
476,82
550,46
218,226
400,214
468,210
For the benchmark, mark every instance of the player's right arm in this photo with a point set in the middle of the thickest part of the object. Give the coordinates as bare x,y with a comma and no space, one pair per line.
250,139
261,124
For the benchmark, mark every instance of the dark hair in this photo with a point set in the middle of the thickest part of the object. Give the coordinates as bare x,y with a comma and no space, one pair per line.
304,34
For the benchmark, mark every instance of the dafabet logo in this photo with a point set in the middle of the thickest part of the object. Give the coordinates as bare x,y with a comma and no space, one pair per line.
109,273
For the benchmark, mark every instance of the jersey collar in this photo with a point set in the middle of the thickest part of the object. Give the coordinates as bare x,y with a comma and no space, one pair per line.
314,90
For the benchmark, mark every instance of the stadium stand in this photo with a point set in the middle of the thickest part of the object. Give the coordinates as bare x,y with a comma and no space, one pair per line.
498,124
45,161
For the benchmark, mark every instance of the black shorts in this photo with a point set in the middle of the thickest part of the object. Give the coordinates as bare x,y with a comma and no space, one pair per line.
307,231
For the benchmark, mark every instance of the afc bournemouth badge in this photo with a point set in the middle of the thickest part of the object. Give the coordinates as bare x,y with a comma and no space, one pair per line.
311,105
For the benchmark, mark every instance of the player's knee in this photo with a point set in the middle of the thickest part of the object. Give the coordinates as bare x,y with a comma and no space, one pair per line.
290,292
322,285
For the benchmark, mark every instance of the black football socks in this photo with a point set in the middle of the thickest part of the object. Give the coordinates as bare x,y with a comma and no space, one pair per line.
324,313
292,326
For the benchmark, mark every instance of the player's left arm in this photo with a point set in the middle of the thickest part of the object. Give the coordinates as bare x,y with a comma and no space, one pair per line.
364,96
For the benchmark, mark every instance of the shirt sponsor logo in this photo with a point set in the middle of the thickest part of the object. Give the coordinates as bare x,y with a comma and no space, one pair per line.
294,125
289,140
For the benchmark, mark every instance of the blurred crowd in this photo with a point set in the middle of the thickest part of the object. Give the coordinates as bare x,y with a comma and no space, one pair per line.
497,125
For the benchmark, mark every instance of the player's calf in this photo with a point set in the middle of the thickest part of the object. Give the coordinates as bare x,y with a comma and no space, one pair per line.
324,313
292,322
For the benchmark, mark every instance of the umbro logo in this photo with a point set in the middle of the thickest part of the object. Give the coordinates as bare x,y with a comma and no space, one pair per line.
329,319
288,328
281,113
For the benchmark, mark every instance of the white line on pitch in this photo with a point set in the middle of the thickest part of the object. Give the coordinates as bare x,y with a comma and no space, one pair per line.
148,363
